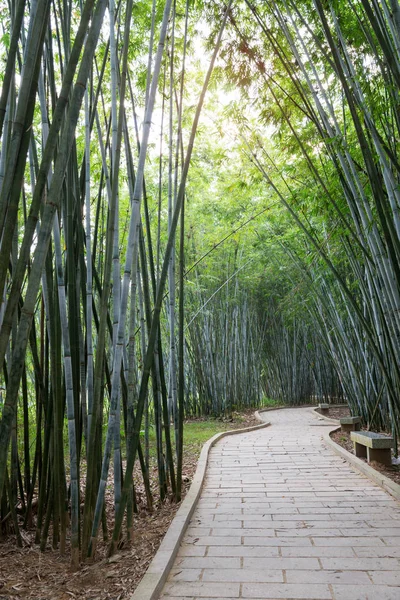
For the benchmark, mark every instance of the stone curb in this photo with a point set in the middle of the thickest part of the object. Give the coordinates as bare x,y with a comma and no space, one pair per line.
262,410
317,414
156,575
384,482
313,408
258,416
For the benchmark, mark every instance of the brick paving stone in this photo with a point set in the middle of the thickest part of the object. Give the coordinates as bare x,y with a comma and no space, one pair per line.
244,575
228,524
364,506
219,529
348,541
180,598
269,591
372,531
208,562
392,523
386,577
365,592
198,531
227,518
243,551
280,563
330,551
271,510
282,517
277,541
309,523
233,540
362,564
179,574
310,532
201,589
381,552
391,541
325,576
303,517
219,510
190,550
248,509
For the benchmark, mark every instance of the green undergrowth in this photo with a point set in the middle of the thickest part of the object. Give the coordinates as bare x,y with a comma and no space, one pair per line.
271,403
197,431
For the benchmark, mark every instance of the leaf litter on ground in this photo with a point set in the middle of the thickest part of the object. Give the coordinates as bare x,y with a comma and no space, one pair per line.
28,574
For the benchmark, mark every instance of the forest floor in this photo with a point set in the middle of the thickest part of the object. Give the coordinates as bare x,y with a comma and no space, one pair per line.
27,573
337,412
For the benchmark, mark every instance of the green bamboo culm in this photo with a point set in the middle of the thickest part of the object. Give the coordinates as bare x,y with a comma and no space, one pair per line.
131,255
39,257
148,360
41,179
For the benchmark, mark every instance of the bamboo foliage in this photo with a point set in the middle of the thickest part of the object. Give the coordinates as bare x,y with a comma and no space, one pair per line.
353,126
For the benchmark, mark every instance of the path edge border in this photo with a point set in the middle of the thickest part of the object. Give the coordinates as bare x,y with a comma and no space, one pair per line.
384,482
156,575
312,407
270,408
326,417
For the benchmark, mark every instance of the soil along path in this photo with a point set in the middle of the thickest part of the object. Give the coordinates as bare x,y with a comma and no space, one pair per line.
281,516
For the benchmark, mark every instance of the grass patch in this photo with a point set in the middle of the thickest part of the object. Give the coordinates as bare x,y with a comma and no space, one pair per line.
196,433
271,403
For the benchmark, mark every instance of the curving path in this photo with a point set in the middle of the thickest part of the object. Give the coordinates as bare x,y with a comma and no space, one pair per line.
281,516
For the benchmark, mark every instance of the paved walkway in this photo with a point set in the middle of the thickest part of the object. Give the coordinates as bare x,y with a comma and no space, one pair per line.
281,516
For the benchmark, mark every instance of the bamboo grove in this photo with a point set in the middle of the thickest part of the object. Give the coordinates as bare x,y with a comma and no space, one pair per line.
332,88
199,208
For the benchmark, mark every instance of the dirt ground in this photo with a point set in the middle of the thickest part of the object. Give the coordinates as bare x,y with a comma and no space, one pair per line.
26,573
338,412
393,472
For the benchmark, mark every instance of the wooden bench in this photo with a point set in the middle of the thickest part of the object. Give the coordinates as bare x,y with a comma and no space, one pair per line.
350,423
372,446
323,408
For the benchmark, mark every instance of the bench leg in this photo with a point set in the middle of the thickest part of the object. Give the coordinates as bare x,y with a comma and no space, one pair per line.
382,455
360,450
349,428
